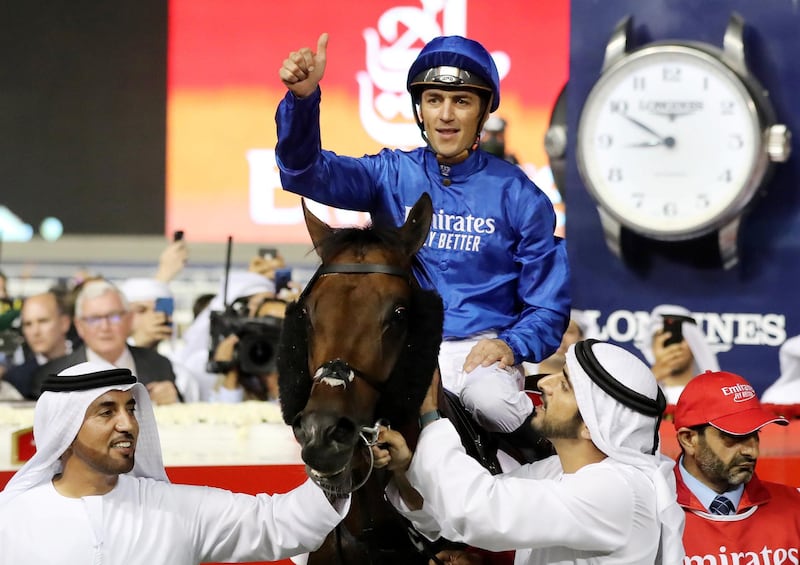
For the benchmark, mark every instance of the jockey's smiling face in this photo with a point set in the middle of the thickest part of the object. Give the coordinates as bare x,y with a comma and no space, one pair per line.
452,120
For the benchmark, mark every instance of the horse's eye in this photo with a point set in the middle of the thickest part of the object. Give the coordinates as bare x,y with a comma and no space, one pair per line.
400,315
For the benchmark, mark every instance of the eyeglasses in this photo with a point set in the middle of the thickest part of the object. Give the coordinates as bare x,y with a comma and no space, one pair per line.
112,318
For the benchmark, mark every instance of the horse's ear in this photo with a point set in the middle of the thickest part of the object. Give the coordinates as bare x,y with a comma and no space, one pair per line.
418,223
317,229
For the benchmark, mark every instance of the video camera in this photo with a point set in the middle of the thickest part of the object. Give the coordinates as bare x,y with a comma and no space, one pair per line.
10,333
257,348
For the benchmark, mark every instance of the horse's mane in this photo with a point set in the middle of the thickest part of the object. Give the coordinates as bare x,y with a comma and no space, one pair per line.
358,240
411,376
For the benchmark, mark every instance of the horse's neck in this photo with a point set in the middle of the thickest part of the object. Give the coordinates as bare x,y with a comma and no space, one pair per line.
372,520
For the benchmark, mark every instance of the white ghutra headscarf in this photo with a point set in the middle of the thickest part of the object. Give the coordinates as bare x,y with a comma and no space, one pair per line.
626,434
58,417
786,388
704,357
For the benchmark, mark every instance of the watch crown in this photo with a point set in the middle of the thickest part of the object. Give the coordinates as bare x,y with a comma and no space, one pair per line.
555,141
779,143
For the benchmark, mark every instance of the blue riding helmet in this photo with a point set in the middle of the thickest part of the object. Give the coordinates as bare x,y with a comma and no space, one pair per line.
454,62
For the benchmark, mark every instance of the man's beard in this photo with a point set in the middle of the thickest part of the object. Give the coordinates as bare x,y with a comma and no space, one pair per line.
560,430
718,471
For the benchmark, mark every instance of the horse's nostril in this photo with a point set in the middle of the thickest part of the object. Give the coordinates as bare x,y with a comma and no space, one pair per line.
343,432
297,428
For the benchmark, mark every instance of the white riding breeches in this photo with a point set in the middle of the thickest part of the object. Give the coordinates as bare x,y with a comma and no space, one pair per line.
493,396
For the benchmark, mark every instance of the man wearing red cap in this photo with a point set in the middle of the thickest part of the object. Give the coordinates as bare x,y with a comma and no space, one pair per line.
731,515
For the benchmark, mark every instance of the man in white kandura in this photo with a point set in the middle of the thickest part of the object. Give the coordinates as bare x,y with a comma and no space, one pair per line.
608,496
96,490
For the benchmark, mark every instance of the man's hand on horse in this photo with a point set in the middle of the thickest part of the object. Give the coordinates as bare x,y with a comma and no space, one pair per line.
303,69
487,352
391,451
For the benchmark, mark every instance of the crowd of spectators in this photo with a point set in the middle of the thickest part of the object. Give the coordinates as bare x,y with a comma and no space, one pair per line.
43,331
130,323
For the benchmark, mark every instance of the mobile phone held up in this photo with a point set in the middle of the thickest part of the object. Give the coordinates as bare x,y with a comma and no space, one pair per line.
177,235
282,278
167,305
673,323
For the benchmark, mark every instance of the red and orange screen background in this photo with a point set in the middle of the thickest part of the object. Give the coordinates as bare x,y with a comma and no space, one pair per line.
223,89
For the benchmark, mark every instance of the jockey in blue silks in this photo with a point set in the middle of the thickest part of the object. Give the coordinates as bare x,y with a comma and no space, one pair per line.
491,253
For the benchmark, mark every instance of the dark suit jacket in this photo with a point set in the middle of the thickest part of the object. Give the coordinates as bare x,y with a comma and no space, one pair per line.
21,377
151,366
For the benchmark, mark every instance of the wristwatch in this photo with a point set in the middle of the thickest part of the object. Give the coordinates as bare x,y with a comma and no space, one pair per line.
429,418
676,139
555,140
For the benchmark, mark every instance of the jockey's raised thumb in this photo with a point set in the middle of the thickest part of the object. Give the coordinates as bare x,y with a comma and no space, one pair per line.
317,68
322,47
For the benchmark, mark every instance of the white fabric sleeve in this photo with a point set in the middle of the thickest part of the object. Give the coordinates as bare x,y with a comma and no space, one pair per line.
423,522
237,527
589,510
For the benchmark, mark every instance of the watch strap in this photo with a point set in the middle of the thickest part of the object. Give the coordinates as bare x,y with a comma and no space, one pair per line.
429,417
704,252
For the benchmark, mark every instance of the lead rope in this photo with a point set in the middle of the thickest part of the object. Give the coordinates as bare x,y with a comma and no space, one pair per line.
420,542
369,435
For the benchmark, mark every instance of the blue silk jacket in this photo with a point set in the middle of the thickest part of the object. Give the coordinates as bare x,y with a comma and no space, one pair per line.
490,254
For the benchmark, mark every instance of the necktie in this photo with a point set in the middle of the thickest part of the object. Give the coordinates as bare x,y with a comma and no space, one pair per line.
722,505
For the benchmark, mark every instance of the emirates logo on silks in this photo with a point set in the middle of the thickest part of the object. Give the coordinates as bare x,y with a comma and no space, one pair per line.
740,393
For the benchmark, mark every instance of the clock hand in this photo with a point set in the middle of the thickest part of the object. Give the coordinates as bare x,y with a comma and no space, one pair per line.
669,141
646,144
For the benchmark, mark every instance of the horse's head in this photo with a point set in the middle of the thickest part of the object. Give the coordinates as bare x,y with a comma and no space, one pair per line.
359,345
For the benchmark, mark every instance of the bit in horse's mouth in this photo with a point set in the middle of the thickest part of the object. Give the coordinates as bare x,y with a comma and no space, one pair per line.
338,483
320,475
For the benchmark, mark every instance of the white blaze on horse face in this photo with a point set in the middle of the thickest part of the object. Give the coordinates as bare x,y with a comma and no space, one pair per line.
332,381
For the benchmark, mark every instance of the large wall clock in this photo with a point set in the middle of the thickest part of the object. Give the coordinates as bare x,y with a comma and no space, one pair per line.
675,140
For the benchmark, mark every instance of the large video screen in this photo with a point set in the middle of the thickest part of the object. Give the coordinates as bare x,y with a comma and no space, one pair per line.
82,132
223,90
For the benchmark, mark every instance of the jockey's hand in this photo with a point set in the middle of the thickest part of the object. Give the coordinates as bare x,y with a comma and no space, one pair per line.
303,69
391,451
487,352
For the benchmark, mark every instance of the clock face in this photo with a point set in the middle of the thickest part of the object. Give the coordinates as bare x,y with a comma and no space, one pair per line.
669,142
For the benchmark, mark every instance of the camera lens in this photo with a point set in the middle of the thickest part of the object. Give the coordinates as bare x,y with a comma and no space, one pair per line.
260,352
256,355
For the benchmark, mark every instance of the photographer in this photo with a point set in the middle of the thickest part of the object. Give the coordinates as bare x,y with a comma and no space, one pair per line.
676,352
270,263
244,348
151,324
197,342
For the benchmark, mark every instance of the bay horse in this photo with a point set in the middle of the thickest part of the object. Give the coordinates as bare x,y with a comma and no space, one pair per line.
359,348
